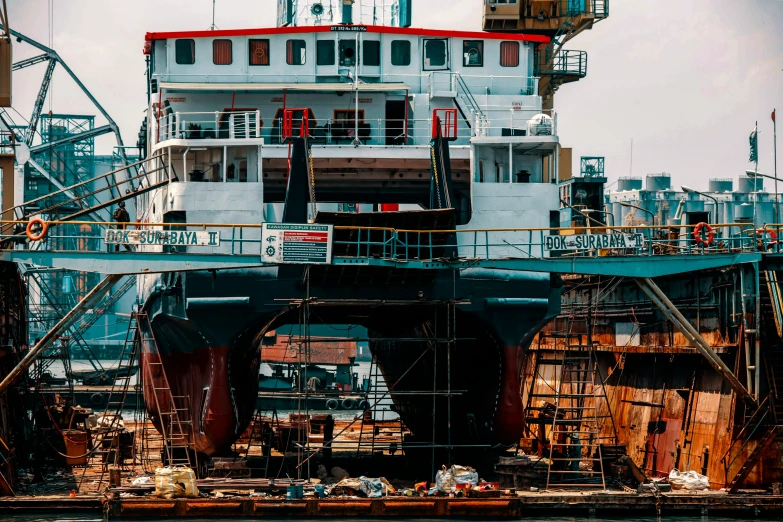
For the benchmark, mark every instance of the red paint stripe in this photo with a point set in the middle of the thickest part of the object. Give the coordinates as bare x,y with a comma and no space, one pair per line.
327,29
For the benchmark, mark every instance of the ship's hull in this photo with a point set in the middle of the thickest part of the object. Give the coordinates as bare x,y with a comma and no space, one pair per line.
208,329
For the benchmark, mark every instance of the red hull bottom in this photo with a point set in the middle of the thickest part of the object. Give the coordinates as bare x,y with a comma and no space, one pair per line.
201,383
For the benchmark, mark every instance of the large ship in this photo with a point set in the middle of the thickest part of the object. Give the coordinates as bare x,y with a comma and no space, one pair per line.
339,117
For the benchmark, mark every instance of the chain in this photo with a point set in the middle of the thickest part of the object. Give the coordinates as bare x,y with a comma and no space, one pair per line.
312,184
435,173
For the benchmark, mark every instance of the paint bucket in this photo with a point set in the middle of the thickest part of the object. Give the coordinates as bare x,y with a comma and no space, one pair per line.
320,491
290,492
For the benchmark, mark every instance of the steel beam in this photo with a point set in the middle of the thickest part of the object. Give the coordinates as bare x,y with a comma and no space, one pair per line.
39,103
27,62
102,216
61,328
73,138
671,312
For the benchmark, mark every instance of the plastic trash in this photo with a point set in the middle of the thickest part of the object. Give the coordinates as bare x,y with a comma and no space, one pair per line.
175,482
141,481
446,480
688,480
371,487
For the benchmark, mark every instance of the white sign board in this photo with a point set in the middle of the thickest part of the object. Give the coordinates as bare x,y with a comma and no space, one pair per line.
593,241
162,237
290,243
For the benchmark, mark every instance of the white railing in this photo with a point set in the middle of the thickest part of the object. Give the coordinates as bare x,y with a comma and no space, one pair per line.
210,125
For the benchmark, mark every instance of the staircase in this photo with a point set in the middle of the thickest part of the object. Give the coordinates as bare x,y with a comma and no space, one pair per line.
469,108
173,411
753,459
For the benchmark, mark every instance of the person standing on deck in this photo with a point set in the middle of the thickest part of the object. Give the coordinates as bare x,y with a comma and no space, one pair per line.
121,217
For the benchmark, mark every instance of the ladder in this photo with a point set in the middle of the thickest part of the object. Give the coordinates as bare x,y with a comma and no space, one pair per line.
578,406
753,459
109,430
173,411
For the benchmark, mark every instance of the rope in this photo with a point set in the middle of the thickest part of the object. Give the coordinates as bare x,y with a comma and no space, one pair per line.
312,184
435,173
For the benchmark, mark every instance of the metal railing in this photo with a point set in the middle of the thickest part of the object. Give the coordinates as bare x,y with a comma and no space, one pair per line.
566,62
493,121
430,245
210,125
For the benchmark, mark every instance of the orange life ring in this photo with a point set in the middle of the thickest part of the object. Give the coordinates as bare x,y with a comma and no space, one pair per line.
773,236
44,228
697,235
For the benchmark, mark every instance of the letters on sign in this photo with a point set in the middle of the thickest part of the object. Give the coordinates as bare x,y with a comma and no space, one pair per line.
593,241
162,237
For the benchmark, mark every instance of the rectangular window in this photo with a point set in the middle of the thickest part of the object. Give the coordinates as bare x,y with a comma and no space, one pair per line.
509,54
324,52
472,53
296,52
185,51
371,53
436,54
258,52
401,52
348,117
221,52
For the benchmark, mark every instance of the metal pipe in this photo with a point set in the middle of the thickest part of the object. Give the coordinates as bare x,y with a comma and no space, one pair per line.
670,311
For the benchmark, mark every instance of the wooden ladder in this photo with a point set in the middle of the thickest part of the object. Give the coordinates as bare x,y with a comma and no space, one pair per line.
173,411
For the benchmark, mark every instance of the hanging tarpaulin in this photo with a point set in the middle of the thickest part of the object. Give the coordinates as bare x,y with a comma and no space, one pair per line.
754,146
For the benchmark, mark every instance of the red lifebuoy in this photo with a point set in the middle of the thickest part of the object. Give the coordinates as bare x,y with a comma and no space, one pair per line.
698,236
773,236
44,228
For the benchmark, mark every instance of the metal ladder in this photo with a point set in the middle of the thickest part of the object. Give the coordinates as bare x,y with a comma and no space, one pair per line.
580,409
174,417
115,404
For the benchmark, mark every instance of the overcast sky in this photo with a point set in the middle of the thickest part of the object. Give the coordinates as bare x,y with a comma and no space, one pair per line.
685,79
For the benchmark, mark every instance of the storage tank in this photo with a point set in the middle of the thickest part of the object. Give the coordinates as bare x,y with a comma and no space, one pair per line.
721,185
627,183
743,213
662,181
747,184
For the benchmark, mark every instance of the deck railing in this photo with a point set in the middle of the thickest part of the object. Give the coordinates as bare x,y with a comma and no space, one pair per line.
432,245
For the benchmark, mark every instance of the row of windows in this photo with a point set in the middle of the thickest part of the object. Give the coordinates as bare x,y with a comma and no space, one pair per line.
435,52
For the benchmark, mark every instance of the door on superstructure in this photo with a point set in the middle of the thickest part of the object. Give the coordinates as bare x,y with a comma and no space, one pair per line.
395,122
326,58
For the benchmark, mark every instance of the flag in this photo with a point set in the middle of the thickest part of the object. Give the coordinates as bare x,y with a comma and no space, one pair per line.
754,147
773,115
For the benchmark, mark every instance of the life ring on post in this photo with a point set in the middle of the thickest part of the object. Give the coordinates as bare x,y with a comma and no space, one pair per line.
32,236
699,237
765,231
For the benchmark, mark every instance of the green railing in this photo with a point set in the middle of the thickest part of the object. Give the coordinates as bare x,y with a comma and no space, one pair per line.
565,63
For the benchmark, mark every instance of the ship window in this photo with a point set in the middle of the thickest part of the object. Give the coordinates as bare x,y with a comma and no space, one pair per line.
258,52
436,54
324,52
185,51
221,52
401,52
509,54
371,53
347,53
296,52
473,53
348,117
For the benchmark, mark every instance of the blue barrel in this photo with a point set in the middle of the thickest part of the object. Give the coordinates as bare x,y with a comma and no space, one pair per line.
291,492
320,490
299,491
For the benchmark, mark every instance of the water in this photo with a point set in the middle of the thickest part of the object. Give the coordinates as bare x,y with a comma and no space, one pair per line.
363,369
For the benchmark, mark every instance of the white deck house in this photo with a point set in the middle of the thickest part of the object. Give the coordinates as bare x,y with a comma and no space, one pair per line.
216,102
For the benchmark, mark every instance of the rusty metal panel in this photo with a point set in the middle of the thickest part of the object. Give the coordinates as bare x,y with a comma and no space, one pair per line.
6,61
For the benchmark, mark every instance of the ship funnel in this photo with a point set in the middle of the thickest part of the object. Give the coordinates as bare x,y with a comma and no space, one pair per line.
347,10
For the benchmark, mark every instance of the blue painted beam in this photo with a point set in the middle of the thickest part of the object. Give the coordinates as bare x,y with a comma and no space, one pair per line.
149,262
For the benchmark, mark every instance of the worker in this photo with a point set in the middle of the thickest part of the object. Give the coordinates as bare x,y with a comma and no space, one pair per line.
122,218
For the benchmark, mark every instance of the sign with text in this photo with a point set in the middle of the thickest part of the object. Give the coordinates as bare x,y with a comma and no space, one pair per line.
162,237
349,28
593,241
290,243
